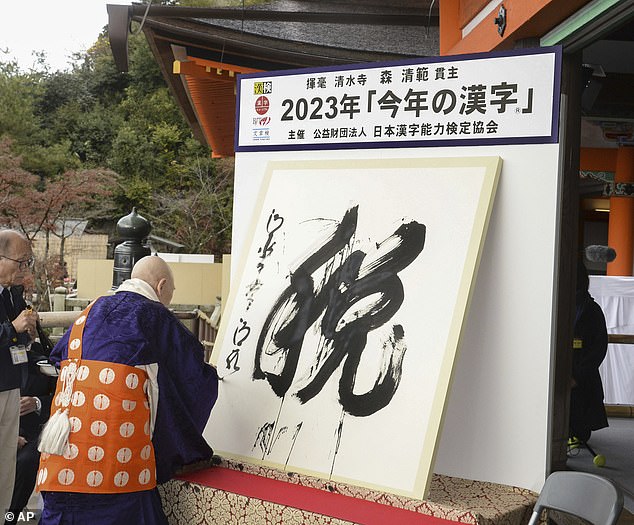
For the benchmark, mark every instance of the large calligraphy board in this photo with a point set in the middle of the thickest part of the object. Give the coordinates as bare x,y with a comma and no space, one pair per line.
342,326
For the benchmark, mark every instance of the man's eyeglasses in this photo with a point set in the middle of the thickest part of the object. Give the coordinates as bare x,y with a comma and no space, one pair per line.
23,264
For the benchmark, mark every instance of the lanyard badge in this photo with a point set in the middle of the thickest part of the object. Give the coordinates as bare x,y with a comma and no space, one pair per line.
18,354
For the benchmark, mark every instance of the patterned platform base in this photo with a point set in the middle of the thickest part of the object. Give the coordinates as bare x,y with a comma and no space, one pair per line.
236,494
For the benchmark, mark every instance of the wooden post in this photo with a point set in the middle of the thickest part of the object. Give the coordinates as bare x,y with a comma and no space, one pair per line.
566,266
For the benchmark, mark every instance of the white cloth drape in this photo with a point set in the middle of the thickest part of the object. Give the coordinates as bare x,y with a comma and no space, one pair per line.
615,296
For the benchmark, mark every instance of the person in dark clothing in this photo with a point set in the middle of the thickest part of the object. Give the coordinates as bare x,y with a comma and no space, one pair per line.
36,394
17,329
590,344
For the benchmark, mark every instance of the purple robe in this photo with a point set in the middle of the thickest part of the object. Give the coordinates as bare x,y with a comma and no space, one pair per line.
130,329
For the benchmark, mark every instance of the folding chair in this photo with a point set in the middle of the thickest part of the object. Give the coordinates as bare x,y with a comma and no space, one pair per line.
587,496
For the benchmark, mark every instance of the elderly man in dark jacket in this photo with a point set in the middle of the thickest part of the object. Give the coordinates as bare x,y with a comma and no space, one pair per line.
36,394
17,329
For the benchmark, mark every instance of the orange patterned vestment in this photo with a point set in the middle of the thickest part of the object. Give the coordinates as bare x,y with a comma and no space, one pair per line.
109,448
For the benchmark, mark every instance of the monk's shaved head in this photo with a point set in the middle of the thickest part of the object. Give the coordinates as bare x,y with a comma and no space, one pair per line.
151,269
156,272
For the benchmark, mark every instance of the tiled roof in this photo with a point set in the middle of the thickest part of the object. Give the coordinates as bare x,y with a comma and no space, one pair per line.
275,34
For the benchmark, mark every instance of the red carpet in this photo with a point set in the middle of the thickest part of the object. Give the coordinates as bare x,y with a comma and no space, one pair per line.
308,498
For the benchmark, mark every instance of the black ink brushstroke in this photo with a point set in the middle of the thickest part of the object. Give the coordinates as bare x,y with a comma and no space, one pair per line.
273,429
251,291
263,438
298,427
231,361
279,434
386,384
241,329
345,287
274,223
339,433
240,335
298,296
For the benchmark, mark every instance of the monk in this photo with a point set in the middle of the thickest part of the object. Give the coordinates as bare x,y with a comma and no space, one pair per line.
133,397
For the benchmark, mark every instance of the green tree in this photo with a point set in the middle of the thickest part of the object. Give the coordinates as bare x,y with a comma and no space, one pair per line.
97,69
198,215
48,160
15,182
95,118
18,95
34,205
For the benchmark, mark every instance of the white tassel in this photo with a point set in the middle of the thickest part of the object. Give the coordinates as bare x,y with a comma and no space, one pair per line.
54,436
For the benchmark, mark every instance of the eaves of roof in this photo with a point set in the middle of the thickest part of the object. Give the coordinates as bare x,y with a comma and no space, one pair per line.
200,56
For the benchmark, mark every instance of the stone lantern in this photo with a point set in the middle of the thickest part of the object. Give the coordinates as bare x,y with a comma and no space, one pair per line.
134,229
